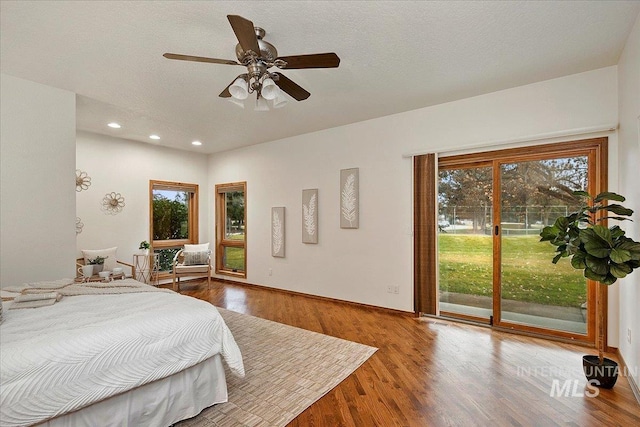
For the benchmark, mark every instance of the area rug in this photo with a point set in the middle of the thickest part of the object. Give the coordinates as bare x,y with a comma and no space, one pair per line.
287,369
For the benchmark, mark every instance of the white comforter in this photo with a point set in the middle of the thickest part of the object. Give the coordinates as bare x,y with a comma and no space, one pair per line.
84,349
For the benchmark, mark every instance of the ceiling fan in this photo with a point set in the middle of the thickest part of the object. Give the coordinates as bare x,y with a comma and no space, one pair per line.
258,56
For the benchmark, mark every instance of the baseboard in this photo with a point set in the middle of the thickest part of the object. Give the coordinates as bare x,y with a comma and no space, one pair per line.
632,381
285,291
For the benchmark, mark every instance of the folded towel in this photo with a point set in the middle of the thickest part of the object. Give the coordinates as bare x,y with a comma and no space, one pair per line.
8,296
37,297
46,286
32,304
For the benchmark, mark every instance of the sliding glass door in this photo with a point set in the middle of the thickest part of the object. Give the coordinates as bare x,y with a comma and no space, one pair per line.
465,245
491,266
533,292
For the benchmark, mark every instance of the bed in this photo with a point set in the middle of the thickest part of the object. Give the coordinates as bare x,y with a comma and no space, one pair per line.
121,353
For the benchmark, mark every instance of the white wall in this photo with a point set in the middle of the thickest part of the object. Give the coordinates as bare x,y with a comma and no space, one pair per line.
37,162
38,207
358,265
629,110
125,167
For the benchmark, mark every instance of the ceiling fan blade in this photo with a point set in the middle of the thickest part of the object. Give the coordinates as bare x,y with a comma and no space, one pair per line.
287,85
316,60
245,33
225,93
200,59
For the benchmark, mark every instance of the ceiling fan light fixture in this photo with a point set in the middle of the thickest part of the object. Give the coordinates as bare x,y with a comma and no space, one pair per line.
261,104
239,89
258,56
280,101
269,89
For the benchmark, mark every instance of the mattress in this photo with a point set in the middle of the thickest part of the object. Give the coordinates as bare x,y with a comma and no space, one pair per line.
87,348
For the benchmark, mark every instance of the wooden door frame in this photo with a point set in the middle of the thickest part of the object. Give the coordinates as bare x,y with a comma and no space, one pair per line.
221,216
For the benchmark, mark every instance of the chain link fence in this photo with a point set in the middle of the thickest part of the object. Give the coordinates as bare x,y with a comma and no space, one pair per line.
516,220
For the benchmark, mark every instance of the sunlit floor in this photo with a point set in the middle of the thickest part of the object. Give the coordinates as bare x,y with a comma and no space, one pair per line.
569,319
432,372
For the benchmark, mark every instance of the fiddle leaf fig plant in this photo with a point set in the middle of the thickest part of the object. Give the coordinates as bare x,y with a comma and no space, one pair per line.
605,254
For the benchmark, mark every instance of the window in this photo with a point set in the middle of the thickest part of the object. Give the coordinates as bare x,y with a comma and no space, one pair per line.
173,218
231,229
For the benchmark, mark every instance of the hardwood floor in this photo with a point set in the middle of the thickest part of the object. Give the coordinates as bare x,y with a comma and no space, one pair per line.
431,372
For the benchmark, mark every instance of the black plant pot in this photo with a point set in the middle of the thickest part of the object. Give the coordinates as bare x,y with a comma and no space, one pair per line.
605,374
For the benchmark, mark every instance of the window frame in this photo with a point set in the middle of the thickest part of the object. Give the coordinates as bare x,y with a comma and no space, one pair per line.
221,242
192,206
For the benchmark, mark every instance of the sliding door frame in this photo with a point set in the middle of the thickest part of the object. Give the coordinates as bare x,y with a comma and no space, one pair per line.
472,164
596,150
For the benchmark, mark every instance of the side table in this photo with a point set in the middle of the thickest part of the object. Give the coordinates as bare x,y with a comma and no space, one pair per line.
147,267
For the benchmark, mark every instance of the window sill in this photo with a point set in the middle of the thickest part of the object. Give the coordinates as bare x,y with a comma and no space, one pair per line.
240,274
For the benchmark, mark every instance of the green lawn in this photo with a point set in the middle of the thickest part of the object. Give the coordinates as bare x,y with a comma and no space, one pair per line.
527,272
235,256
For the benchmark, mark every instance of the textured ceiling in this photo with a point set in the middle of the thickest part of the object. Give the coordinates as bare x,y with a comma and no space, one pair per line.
395,56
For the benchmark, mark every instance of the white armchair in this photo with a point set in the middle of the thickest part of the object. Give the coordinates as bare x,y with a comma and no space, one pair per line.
191,264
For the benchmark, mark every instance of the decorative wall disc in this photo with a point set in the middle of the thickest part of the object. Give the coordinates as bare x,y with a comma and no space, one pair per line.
83,180
79,225
112,203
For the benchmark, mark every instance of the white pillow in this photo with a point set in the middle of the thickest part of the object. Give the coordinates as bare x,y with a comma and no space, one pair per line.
109,254
203,247
196,258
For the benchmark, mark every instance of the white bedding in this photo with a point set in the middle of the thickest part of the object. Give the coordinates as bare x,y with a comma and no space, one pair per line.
84,349
160,403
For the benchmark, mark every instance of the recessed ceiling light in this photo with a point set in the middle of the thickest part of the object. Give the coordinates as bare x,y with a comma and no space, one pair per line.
154,136
114,125
196,143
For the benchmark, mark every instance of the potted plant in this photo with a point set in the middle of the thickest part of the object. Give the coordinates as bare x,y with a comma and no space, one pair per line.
98,263
144,247
604,254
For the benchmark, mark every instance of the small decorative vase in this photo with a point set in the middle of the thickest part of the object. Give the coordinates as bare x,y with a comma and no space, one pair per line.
86,271
97,268
144,251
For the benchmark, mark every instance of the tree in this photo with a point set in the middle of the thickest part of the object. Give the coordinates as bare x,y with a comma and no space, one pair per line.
539,183
235,209
468,189
170,217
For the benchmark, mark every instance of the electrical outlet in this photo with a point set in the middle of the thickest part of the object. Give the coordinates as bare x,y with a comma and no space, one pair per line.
271,272
393,289
629,335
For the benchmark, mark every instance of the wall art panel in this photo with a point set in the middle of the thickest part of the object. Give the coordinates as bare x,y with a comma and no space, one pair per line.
277,232
310,216
349,198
